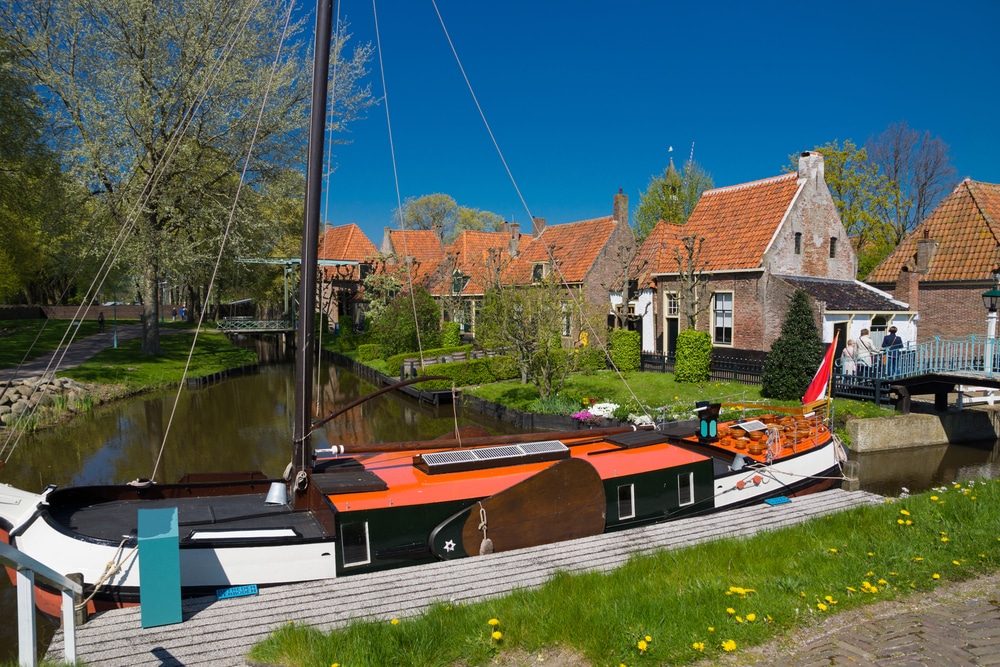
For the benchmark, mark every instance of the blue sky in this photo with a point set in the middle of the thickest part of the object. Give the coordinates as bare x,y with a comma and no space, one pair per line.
585,98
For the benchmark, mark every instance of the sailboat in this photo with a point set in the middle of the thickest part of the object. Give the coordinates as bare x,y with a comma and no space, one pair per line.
338,512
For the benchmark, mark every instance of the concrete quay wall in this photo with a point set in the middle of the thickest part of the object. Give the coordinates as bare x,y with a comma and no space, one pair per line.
916,430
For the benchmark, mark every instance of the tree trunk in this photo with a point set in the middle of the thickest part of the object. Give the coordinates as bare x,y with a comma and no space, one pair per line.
150,311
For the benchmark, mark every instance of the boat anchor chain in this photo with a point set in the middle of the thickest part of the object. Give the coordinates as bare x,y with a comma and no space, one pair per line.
486,547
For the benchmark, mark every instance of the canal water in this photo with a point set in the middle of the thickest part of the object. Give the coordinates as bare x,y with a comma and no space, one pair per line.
246,424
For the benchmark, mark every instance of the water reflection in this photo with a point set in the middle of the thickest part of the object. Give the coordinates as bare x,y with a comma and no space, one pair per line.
921,468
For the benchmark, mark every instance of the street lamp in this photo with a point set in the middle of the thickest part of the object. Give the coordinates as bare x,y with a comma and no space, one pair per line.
991,299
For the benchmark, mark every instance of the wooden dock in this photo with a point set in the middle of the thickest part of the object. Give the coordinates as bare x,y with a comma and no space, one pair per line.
222,632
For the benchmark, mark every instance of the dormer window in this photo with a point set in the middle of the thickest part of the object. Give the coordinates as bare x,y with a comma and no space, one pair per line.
539,270
798,243
833,247
458,282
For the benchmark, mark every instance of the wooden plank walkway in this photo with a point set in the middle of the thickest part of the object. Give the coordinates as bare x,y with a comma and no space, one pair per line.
222,632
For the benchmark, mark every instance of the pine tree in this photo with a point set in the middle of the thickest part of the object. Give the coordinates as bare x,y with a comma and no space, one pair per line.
795,355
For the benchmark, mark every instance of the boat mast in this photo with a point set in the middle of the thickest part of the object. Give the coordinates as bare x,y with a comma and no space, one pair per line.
305,350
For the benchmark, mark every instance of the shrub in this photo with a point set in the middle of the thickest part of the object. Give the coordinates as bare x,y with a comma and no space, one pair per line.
395,329
395,360
694,356
476,371
625,350
369,352
556,404
451,334
345,325
590,359
795,355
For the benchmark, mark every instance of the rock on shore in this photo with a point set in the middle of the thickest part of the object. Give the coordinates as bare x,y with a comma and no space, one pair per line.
41,395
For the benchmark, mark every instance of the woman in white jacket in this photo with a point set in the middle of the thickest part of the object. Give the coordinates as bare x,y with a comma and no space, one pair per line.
867,353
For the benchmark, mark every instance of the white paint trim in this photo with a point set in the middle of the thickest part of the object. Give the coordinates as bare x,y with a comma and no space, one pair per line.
791,204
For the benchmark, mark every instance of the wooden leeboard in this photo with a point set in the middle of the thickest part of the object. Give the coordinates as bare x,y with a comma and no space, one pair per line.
562,502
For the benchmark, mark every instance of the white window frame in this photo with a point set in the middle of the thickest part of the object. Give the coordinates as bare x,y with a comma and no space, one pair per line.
671,304
716,312
689,486
368,547
631,493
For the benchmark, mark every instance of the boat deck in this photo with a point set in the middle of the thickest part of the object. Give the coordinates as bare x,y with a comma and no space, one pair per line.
222,632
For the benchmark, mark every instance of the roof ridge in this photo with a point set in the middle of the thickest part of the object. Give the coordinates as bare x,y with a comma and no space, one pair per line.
750,184
991,224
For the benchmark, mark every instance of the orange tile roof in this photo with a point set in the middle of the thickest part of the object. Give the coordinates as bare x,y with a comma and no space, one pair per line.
966,226
576,246
737,222
472,250
345,242
421,244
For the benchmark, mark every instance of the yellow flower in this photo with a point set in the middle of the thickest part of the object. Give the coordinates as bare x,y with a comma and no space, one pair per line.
821,606
852,589
909,523
493,622
648,638
497,635
395,621
751,617
934,497
899,521
730,611
698,646
711,629
336,664
829,598
882,582
955,562
918,559
944,539
729,645
935,576
833,550
642,645
904,512
871,553
738,619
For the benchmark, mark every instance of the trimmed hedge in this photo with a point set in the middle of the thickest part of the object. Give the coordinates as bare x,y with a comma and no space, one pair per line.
395,360
451,334
694,356
590,359
626,347
476,371
369,352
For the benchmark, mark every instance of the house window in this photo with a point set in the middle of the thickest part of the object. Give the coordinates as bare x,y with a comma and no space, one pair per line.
723,313
354,542
833,247
567,320
879,325
685,489
457,282
626,501
798,243
538,271
673,306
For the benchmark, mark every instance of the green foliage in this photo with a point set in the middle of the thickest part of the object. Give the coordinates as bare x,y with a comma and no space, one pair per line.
556,404
670,197
795,355
451,334
369,352
395,331
694,356
441,210
626,348
475,371
395,360
589,359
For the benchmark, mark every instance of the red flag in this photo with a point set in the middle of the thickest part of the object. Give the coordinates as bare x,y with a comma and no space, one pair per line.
817,388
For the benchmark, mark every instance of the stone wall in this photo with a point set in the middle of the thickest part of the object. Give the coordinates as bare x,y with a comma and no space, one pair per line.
916,430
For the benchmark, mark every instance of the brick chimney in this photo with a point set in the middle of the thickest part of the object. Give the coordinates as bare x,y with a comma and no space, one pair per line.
907,288
621,208
537,227
925,253
515,238
811,165
438,231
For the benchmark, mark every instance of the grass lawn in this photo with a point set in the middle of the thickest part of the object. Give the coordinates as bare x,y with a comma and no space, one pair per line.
38,335
679,607
128,366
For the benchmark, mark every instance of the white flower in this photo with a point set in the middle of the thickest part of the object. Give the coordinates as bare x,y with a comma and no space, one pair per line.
603,409
640,420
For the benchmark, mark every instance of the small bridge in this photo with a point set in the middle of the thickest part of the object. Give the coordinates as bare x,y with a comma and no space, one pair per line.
938,367
248,326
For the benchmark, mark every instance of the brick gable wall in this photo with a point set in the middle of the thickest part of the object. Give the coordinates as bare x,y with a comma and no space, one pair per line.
950,311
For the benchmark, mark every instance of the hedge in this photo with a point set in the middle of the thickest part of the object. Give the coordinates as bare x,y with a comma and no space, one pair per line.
451,334
395,360
369,352
476,371
694,356
626,348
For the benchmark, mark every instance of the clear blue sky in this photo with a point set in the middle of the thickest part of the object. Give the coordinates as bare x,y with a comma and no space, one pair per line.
587,97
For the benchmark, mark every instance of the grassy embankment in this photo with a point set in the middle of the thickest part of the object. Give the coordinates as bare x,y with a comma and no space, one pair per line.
24,340
679,607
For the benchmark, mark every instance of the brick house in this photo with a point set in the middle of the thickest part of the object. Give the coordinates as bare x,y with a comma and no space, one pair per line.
750,247
942,268
340,287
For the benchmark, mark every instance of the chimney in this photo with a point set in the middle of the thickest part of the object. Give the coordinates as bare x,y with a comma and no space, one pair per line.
925,253
811,165
438,232
907,288
515,238
537,227
621,208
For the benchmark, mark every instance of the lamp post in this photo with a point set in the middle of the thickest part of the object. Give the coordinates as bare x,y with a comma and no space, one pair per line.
114,311
991,299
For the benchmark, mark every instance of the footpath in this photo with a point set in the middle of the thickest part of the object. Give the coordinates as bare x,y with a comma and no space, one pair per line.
78,352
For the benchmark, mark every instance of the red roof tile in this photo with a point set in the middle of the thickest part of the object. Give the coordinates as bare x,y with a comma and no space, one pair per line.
966,226
575,247
421,244
345,242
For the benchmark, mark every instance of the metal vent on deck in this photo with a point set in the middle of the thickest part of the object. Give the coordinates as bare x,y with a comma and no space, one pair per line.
491,457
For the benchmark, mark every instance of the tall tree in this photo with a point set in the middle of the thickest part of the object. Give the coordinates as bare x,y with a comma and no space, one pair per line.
919,172
157,104
671,197
795,354
442,211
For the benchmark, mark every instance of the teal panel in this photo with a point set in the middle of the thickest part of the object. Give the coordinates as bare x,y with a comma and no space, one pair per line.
159,567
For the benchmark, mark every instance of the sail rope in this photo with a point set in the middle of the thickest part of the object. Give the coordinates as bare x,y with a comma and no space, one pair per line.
574,297
225,237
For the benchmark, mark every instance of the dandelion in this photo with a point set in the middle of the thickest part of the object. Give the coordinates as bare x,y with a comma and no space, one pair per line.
711,629
944,539
918,559
934,497
882,582
751,617
730,611
852,590
739,620
829,598
955,562
642,645
833,550
729,645
935,576
648,638
698,646
494,622
900,521
497,635
395,621
821,606
904,512
909,523
871,553
336,664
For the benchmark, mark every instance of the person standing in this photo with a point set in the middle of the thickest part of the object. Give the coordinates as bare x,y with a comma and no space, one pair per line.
867,354
848,358
892,344
100,322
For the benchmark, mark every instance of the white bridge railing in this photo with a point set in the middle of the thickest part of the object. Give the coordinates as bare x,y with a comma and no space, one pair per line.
27,569
240,324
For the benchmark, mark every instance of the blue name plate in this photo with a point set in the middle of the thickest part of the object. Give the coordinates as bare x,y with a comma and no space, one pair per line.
780,500
236,591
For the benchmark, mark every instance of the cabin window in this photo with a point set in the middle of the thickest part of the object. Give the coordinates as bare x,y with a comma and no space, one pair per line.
723,315
833,247
685,489
626,501
354,542
798,243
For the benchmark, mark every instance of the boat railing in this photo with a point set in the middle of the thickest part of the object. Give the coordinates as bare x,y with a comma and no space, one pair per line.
27,569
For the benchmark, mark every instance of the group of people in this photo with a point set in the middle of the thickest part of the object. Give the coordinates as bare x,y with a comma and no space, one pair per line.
862,357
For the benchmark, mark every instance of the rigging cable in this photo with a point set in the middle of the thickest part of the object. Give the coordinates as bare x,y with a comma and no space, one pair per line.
548,250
